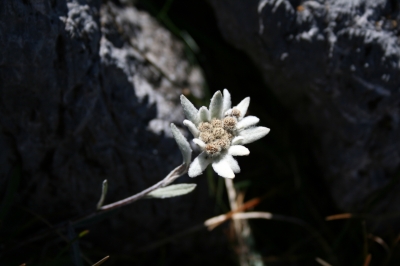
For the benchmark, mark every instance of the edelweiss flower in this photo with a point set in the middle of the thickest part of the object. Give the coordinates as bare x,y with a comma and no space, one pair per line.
220,132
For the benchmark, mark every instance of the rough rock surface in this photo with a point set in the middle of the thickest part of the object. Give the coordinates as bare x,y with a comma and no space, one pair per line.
88,91
335,64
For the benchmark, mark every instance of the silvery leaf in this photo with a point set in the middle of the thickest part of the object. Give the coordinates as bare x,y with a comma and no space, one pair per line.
189,110
233,164
223,168
192,128
248,121
226,105
172,191
204,114
199,143
216,105
238,150
237,140
183,145
199,164
252,134
243,106
227,112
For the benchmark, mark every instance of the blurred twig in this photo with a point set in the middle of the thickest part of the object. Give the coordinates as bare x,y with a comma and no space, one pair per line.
367,260
211,224
338,216
322,262
379,241
101,261
343,216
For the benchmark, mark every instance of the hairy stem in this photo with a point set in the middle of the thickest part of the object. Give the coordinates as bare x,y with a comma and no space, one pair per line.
171,177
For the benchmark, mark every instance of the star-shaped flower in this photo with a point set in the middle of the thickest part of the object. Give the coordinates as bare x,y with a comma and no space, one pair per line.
220,132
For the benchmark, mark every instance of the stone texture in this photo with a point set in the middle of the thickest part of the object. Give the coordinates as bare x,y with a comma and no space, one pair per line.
88,91
335,65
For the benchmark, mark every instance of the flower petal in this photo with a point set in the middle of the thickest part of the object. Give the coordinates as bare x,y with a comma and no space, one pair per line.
253,134
189,110
222,168
199,143
247,122
199,164
192,128
243,106
238,150
237,140
216,105
233,164
204,114
226,105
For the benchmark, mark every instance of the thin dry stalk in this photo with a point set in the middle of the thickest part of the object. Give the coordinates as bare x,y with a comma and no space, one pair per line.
322,262
101,261
339,216
367,260
379,241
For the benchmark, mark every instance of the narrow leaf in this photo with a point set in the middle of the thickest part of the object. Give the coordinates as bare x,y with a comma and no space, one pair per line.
189,110
243,106
103,194
252,134
216,105
183,144
192,128
227,103
172,191
204,114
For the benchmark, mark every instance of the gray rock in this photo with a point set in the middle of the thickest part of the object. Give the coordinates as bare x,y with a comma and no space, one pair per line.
335,65
88,91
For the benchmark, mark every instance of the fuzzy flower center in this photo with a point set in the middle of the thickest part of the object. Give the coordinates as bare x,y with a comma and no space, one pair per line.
235,112
217,134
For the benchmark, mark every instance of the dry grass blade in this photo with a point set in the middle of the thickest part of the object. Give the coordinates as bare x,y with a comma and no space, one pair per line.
380,241
367,260
339,216
252,215
216,221
101,261
322,262
365,216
